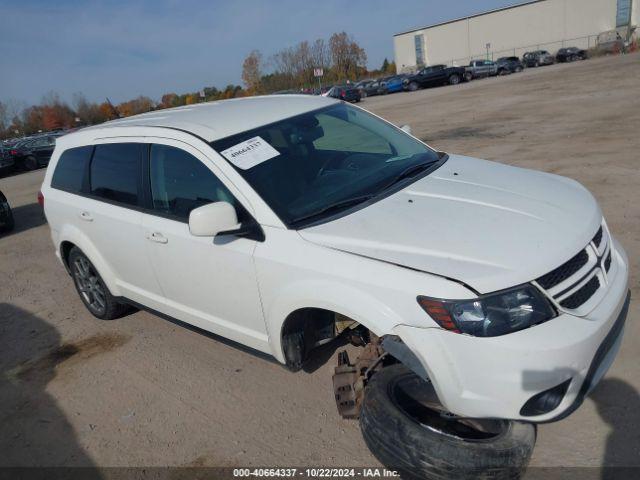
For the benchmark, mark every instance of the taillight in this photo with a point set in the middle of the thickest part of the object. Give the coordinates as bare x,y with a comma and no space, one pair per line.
343,94
41,199
13,152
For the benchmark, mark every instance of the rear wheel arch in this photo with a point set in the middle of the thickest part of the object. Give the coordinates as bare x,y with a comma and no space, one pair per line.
69,238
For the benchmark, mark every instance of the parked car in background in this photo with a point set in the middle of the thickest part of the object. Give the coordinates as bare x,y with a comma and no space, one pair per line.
6,161
610,42
571,54
393,84
481,69
348,93
370,88
538,58
433,76
6,216
507,65
34,152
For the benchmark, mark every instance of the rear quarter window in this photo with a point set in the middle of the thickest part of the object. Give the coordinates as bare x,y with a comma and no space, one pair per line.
70,169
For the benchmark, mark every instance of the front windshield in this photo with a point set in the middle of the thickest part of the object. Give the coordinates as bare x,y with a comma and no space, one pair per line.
309,166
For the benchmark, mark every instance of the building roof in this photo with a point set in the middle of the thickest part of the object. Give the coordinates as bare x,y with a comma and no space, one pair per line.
215,120
508,7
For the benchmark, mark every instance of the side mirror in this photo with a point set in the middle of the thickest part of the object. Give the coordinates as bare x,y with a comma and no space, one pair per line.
212,219
406,129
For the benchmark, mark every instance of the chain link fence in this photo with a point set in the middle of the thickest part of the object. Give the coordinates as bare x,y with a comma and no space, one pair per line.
590,41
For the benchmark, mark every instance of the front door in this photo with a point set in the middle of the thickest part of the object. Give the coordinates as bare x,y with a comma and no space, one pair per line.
209,282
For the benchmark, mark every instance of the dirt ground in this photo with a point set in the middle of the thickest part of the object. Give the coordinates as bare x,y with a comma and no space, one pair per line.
143,391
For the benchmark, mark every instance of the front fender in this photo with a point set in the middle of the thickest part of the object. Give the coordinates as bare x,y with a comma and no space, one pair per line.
341,298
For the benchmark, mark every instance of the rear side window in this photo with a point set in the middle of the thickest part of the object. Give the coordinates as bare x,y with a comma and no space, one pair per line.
180,182
71,168
115,172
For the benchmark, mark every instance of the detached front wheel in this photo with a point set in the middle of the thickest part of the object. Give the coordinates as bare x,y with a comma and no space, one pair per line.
406,428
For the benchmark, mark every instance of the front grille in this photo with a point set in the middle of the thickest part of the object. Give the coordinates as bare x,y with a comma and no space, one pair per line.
564,271
598,238
581,296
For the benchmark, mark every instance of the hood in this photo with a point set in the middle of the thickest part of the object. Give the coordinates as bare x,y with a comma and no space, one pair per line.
489,225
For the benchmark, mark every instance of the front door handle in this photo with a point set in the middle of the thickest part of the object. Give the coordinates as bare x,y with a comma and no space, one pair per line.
86,216
157,237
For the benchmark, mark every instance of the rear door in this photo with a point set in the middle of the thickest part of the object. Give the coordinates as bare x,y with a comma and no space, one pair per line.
209,282
111,216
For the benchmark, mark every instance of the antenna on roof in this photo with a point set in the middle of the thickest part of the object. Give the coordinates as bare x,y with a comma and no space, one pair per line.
114,110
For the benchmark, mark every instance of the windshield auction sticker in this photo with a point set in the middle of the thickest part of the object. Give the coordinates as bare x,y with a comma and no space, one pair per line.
250,153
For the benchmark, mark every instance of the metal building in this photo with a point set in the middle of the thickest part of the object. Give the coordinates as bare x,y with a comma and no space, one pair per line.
534,25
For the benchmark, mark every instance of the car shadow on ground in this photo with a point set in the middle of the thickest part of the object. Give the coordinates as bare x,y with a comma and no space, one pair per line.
26,217
618,404
35,431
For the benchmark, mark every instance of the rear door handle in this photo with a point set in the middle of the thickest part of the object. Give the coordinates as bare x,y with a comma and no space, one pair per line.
86,216
157,237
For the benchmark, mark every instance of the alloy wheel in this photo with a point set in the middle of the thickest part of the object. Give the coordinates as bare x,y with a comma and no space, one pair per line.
90,286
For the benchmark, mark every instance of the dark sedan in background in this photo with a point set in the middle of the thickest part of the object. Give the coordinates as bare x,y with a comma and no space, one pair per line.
348,93
507,65
538,58
32,153
370,88
571,54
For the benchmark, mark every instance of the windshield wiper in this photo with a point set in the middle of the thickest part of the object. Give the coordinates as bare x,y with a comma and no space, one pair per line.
334,207
409,172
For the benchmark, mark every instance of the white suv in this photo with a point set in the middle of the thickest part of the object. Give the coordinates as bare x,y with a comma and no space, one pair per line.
485,298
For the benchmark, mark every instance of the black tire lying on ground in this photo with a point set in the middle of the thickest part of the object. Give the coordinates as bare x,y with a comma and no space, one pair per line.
441,450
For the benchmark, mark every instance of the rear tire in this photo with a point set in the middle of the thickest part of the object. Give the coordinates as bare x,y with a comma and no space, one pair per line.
92,290
413,86
518,69
418,451
30,163
454,79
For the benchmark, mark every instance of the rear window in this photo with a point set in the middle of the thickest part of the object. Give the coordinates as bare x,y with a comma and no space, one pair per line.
71,168
115,172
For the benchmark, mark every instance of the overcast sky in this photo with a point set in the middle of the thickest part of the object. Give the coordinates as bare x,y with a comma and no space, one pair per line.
121,49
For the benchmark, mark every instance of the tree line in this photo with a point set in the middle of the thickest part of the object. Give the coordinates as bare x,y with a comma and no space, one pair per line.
340,57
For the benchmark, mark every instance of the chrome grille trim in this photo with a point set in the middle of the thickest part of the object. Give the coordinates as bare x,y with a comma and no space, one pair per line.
575,282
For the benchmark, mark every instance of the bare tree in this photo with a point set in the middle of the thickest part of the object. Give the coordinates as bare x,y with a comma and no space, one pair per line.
251,71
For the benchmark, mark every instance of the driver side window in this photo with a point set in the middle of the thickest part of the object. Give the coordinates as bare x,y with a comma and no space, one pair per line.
180,182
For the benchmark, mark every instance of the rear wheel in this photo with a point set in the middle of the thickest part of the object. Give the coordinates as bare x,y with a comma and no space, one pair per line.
408,430
30,163
92,290
413,86
454,79
518,69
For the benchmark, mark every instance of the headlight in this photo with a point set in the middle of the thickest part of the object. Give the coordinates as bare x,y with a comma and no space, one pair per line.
493,314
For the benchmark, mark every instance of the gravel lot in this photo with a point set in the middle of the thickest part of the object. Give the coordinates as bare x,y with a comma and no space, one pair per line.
143,391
